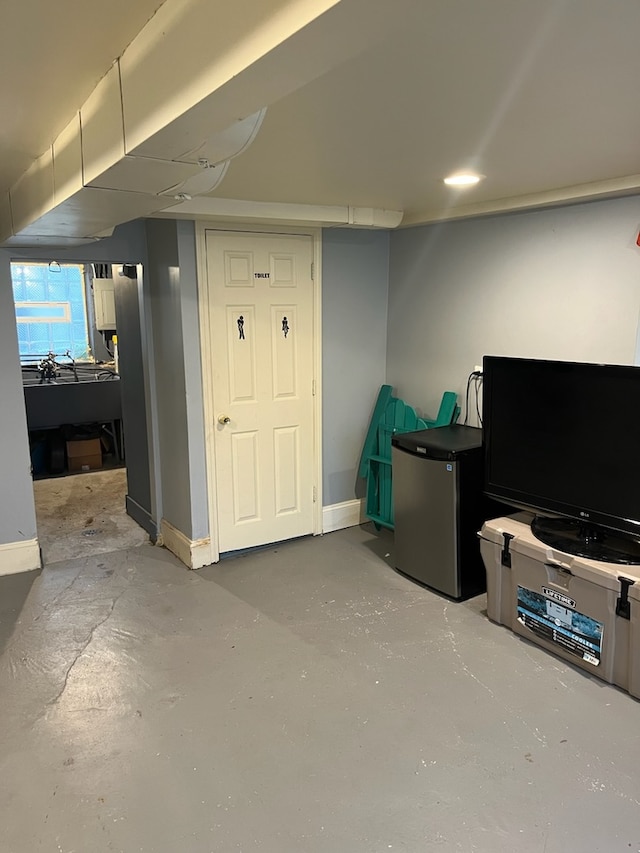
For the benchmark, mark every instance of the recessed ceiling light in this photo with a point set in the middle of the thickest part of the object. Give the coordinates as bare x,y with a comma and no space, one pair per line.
462,179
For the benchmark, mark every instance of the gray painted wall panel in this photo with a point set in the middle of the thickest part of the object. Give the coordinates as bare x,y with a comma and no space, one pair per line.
132,385
17,509
163,278
560,283
355,268
172,285
193,378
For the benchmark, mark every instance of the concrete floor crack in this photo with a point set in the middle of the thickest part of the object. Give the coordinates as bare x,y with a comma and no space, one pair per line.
81,651
47,606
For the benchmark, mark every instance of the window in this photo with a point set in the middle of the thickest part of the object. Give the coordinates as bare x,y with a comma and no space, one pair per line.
51,309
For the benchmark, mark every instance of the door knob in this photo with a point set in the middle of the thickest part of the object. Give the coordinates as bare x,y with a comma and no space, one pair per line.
223,419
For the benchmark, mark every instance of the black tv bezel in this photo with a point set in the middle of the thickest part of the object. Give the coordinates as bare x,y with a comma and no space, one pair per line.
590,520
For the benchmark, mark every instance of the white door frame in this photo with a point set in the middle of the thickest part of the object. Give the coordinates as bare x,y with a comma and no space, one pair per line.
207,352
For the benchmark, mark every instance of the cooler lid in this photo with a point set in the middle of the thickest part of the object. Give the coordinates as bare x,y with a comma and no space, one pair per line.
524,542
446,442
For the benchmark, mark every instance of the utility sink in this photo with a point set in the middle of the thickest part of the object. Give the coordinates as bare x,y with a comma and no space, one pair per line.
67,401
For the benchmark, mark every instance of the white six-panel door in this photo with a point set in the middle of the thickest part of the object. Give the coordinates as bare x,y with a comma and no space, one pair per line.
261,321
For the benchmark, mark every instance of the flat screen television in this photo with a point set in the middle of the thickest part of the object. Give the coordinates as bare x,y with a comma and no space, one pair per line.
562,440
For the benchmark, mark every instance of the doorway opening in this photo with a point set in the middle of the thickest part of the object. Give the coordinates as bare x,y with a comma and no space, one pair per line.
74,380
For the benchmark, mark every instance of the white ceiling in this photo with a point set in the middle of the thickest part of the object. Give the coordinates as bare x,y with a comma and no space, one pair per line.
541,98
536,96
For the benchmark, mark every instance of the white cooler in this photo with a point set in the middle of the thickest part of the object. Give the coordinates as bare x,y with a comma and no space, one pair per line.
584,611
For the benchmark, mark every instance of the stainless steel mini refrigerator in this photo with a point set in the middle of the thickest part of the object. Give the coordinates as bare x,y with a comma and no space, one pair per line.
439,507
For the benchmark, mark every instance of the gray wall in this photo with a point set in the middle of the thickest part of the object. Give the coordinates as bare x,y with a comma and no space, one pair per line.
172,285
131,358
17,510
355,270
355,277
561,283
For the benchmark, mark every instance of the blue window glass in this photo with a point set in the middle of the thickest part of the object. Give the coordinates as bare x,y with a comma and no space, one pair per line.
52,312
50,309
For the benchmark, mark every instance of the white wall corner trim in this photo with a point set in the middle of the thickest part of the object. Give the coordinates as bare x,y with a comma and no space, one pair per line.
19,557
341,515
194,553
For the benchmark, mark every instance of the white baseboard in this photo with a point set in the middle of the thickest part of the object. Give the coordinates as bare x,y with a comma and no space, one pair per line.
19,557
194,553
341,515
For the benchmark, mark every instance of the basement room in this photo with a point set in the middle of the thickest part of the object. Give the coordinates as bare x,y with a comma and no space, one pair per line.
320,346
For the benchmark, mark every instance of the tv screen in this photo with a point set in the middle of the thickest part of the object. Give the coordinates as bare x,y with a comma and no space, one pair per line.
562,440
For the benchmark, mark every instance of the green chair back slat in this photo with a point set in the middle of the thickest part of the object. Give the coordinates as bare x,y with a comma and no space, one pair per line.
448,412
392,415
371,440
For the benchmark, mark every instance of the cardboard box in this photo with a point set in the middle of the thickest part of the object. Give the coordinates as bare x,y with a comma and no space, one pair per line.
84,454
584,611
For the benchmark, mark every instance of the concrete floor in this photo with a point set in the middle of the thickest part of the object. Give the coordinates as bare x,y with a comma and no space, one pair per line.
84,514
302,699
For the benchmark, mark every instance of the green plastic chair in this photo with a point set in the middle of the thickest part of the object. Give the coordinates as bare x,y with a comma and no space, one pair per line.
390,416
448,413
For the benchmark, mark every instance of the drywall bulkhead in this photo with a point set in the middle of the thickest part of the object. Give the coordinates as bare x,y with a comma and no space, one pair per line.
187,95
